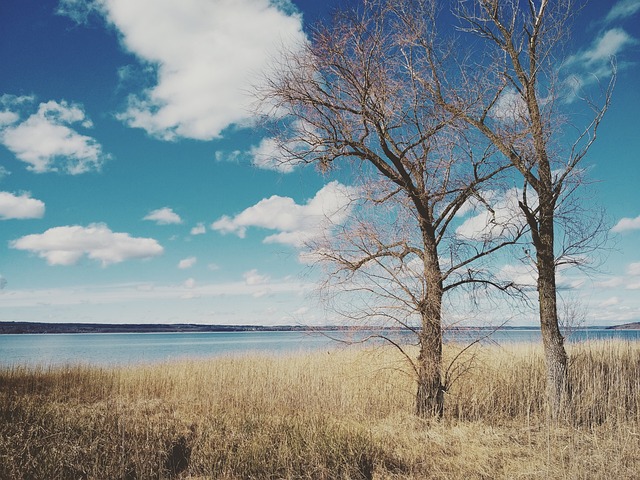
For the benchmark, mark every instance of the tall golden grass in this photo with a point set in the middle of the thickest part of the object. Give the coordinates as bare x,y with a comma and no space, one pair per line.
343,414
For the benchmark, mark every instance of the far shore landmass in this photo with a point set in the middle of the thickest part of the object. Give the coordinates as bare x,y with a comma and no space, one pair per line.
43,327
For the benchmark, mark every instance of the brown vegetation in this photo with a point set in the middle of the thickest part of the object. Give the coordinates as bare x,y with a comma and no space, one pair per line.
344,414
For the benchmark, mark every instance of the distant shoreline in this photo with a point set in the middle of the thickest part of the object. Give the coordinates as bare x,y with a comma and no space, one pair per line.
42,327
626,326
52,328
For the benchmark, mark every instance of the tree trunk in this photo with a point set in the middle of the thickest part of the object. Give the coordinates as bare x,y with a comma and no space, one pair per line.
430,394
558,388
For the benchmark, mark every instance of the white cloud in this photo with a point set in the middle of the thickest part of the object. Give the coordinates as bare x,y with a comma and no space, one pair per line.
7,118
300,311
634,269
128,293
520,274
505,220
77,10
510,107
232,157
267,155
68,244
607,45
473,204
610,302
45,140
20,206
296,224
284,155
187,263
623,9
261,293
626,224
199,229
592,64
252,277
610,283
207,56
163,216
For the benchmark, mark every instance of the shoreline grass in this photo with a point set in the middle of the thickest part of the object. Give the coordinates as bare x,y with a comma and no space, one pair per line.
343,414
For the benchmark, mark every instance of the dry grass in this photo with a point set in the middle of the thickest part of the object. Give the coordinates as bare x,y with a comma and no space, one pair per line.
347,415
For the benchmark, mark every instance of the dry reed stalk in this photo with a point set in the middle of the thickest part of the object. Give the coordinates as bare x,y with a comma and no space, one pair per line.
342,414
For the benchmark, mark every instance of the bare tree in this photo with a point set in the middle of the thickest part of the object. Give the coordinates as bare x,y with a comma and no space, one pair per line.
352,93
511,78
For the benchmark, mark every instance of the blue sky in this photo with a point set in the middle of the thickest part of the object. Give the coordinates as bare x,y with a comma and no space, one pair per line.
135,186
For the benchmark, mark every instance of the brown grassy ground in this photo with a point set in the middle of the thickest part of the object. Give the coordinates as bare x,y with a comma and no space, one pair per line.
345,414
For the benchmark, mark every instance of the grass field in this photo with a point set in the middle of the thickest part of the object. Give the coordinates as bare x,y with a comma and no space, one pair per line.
347,414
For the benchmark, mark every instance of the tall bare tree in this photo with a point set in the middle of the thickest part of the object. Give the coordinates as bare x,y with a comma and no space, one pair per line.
352,94
509,74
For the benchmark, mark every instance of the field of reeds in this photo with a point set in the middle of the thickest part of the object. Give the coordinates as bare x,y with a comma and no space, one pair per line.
343,414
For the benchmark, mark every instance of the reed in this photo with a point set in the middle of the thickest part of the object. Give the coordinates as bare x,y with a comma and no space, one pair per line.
340,414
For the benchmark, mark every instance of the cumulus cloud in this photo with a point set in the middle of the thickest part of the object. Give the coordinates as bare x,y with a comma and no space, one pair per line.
296,224
187,263
520,274
47,140
68,244
279,155
627,224
504,219
510,107
163,216
20,206
474,204
207,55
7,118
199,229
526,275
267,155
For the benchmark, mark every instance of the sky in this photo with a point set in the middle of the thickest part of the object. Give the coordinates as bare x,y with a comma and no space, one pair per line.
137,187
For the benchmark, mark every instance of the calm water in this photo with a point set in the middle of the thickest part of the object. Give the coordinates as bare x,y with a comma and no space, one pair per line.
127,348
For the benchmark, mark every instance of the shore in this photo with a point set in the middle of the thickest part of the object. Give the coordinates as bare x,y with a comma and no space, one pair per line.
42,327
74,327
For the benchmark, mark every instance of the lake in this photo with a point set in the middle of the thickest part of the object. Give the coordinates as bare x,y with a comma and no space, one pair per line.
128,348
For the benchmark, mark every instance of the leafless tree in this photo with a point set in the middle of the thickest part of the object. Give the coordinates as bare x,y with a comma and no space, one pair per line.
510,76
353,94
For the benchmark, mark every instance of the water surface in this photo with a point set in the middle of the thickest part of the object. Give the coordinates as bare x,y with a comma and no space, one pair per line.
130,348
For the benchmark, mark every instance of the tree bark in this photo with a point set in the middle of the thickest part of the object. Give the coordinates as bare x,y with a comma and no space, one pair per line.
430,394
555,354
